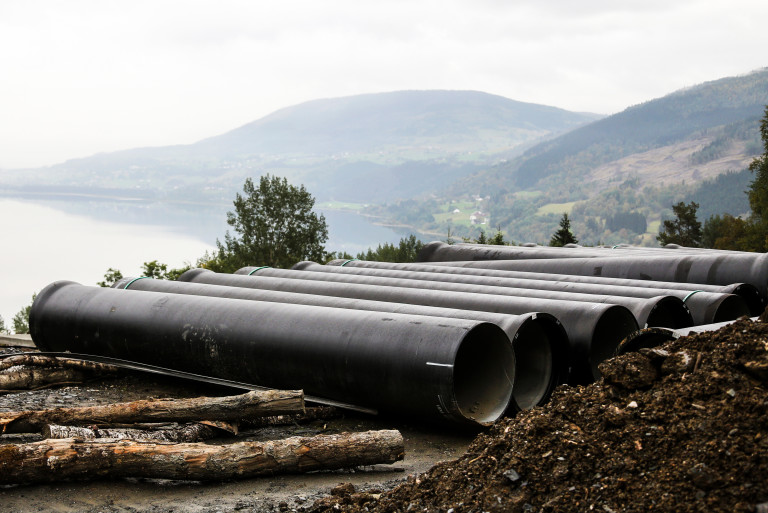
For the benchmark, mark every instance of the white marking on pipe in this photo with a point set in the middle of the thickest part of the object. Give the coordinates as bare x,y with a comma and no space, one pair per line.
440,364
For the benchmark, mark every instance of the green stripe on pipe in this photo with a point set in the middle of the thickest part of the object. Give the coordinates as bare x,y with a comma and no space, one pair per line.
348,261
259,269
135,279
690,294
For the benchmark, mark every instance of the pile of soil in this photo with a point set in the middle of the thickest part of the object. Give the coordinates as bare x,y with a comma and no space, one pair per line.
683,427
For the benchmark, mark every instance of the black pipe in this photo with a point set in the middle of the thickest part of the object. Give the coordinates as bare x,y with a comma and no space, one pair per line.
748,293
539,340
439,368
594,329
705,307
666,311
718,268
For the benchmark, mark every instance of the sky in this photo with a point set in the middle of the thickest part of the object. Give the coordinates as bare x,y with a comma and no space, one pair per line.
79,77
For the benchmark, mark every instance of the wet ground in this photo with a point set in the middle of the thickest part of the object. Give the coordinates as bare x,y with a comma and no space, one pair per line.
424,446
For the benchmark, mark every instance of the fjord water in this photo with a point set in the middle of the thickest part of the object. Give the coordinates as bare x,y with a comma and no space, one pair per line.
45,241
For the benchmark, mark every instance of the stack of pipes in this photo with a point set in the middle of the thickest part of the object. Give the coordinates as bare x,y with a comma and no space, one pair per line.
465,335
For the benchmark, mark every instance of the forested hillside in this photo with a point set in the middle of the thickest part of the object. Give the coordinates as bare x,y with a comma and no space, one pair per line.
619,174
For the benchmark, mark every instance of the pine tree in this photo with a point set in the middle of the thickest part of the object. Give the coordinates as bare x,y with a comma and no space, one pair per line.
563,235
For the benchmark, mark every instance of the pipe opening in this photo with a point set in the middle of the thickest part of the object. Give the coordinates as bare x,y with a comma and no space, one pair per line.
669,312
646,337
751,296
612,327
730,308
484,374
534,376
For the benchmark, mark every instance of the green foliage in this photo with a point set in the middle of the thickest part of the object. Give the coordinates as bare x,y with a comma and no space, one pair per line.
3,329
563,235
21,319
160,271
725,232
724,193
406,251
275,226
758,194
632,221
111,277
685,229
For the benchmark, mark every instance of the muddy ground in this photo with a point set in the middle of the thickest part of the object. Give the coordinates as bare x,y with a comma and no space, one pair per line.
679,428
424,446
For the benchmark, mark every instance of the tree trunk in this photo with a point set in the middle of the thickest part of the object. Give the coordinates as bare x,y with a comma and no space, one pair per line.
178,434
29,371
54,460
234,408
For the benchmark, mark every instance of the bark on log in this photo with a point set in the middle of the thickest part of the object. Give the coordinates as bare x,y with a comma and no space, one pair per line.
31,359
54,460
178,434
234,408
30,371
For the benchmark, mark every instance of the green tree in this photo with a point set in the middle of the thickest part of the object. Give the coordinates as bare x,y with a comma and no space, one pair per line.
725,232
3,329
111,277
684,229
405,251
563,235
758,194
274,225
160,271
21,319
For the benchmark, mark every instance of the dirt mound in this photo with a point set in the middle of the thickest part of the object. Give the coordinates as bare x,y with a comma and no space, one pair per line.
678,428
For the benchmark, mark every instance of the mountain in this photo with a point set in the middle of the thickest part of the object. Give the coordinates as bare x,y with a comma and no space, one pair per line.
636,162
366,148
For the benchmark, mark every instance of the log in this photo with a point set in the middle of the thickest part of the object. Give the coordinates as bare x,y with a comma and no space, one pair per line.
30,371
312,413
234,408
31,359
187,433
71,458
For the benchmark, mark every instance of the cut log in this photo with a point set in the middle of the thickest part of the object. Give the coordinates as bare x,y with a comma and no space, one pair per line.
30,371
235,408
36,360
187,433
55,460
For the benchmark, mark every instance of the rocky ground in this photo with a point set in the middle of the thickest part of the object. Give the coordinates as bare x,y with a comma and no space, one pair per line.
679,428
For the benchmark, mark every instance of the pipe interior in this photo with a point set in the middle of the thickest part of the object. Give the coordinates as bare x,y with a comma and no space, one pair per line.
647,337
484,373
730,308
534,379
751,296
669,312
612,327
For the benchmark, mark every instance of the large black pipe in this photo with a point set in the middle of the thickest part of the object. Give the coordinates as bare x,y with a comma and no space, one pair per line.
718,268
748,293
434,367
666,311
705,307
539,340
594,329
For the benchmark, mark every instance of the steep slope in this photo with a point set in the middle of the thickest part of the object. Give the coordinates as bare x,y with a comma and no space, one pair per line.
681,116
366,148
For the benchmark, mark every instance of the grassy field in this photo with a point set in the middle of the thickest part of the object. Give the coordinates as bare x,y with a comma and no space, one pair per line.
555,208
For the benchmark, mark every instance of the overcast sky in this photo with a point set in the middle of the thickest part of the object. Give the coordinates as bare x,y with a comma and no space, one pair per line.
79,77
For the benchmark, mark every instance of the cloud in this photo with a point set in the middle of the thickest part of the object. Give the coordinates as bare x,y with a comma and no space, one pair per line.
85,75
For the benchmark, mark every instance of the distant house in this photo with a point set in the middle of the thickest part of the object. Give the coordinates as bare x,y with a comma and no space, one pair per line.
478,218
456,211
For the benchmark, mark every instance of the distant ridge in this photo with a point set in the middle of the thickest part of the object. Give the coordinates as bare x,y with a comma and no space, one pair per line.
365,148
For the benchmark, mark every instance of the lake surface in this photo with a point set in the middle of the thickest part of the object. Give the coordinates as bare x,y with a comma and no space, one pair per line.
78,240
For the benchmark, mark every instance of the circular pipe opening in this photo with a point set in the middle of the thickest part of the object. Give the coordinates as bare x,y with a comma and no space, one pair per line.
669,312
646,337
729,308
614,325
534,377
751,296
484,374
